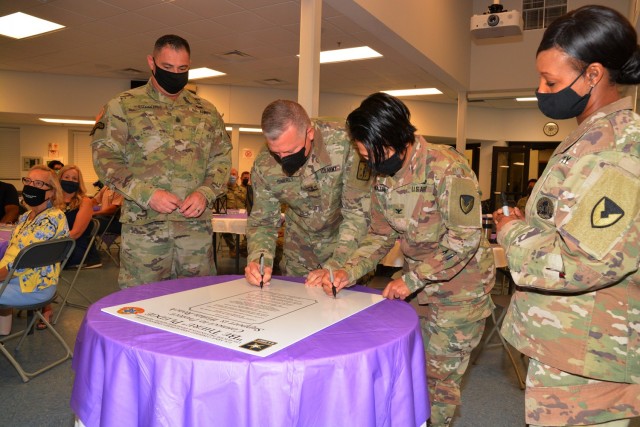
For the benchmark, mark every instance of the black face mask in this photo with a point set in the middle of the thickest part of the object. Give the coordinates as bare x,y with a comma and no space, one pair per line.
245,182
172,83
291,163
389,166
564,104
33,196
69,187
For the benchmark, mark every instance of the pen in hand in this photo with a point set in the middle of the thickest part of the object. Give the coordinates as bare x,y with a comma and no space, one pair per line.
261,270
333,287
505,205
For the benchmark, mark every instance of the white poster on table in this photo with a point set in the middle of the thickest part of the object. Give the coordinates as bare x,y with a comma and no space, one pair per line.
245,318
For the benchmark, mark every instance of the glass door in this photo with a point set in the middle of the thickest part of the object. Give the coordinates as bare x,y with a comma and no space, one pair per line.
510,172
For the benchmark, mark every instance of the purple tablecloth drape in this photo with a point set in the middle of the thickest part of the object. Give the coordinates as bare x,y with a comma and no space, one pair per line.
5,236
367,370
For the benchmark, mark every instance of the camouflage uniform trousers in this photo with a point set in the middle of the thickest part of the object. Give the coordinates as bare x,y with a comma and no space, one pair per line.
303,253
558,398
164,250
450,333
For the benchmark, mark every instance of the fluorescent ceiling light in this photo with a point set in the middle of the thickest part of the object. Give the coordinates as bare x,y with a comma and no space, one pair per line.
243,129
518,163
204,72
20,25
349,54
413,92
69,121
504,166
527,99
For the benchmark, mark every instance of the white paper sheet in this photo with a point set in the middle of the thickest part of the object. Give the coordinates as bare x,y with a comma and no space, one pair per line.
246,318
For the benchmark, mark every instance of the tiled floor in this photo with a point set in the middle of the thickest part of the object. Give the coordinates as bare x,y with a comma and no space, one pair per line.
491,396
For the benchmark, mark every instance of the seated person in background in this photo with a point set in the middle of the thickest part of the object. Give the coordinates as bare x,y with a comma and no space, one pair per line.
236,199
522,202
9,208
55,165
44,221
245,180
107,202
78,210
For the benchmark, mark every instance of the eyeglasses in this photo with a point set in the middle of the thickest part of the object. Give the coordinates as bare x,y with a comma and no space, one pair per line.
36,183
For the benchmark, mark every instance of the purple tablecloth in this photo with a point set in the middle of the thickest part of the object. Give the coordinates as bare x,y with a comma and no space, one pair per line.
5,236
367,370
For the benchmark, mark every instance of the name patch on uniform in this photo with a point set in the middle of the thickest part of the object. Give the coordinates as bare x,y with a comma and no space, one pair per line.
328,169
605,213
380,188
98,125
544,208
418,188
283,180
466,203
364,171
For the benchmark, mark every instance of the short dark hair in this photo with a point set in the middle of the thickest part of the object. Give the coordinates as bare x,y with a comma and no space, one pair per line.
280,114
53,163
381,121
175,42
597,34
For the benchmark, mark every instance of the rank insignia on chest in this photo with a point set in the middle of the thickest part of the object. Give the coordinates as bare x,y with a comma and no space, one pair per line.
364,171
398,211
605,213
466,203
544,208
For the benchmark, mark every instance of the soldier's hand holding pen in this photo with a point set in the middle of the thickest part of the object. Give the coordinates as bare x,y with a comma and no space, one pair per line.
253,276
500,219
340,281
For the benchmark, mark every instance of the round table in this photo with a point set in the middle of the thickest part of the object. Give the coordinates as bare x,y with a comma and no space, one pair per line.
366,370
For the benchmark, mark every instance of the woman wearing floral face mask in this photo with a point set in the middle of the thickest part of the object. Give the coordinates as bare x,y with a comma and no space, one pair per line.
79,211
44,221
574,255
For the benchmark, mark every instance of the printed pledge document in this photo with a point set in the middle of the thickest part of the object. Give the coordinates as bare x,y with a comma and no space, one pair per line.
246,318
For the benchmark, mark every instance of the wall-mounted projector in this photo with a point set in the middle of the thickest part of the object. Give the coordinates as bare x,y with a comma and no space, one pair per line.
496,23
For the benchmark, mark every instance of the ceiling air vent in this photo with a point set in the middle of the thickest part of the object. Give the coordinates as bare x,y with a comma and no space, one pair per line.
235,56
272,82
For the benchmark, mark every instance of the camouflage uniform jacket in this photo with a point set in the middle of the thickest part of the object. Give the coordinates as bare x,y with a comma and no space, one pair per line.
575,257
433,206
236,197
144,141
328,201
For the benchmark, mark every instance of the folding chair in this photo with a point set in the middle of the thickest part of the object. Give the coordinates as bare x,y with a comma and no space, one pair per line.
95,224
502,302
109,238
36,255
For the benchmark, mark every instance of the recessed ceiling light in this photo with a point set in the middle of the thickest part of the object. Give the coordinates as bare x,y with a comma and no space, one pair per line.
414,92
204,72
526,99
20,25
349,54
68,121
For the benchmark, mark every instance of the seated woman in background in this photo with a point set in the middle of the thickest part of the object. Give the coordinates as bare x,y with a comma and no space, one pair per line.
78,210
44,221
106,204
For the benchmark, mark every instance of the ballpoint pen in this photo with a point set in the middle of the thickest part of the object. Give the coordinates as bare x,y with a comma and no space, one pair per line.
261,270
333,288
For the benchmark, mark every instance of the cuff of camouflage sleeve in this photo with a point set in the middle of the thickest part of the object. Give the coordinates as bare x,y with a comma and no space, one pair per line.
502,235
413,281
141,194
208,194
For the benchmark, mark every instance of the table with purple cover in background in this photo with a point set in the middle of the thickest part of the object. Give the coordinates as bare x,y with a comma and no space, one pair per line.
366,370
5,236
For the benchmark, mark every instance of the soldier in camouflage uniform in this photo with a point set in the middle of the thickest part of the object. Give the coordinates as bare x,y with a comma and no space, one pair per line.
312,167
575,257
236,199
426,196
166,151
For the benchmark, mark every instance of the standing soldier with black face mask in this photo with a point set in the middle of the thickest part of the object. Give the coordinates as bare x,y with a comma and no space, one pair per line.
311,167
167,152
